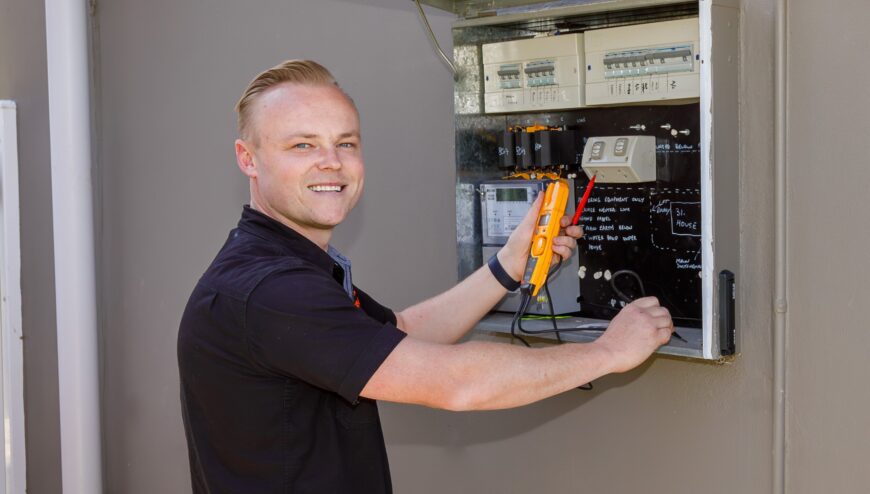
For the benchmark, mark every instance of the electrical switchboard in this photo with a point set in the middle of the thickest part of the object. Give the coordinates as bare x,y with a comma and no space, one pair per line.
627,99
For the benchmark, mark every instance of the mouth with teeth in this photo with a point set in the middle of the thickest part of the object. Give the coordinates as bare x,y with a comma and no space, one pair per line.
326,188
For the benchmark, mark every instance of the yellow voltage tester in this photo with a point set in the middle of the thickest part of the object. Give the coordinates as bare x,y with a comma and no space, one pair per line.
541,253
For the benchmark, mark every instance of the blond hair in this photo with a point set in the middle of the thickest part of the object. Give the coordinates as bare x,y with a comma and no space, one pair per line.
304,72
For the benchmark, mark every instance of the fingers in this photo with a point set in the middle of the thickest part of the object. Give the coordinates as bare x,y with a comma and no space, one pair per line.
562,251
663,323
568,229
659,311
564,246
646,302
532,215
660,316
664,335
517,246
573,232
564,241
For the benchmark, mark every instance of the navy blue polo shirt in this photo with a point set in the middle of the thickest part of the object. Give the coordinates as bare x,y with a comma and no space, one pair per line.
273,354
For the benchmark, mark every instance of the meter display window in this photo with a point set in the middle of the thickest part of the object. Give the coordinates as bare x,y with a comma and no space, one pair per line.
511,195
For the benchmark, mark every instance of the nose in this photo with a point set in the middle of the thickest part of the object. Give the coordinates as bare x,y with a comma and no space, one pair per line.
329,159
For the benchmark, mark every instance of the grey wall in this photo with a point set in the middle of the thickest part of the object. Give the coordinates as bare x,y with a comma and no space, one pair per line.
168,74
829,233
23,79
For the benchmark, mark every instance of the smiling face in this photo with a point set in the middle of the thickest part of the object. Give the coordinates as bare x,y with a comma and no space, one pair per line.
303,157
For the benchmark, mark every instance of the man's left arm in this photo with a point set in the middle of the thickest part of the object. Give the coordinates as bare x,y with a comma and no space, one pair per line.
448,316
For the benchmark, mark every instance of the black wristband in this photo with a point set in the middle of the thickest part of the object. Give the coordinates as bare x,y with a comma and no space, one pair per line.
501,275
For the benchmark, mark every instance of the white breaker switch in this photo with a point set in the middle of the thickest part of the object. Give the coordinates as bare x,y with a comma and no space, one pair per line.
621,159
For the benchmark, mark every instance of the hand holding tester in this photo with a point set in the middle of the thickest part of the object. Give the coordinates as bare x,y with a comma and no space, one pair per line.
541,255
546,229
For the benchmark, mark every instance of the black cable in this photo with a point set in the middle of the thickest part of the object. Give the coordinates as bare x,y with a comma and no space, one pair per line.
556,329
619,293
549,300
588,327
524,304
552,312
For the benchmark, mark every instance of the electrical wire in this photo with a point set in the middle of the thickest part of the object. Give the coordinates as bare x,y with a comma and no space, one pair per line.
556,329
434,40
552,312
517,322
524,305
619,293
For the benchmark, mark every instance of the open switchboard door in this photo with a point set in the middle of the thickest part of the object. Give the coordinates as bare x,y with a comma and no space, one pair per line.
645,100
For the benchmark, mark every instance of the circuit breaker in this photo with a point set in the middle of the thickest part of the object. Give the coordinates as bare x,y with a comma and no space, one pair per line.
534,74
644,62
626,96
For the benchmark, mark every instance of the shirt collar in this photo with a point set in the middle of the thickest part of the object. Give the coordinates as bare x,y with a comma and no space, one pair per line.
344,262
257,223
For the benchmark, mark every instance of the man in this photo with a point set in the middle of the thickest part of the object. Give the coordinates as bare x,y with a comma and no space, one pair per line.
282,358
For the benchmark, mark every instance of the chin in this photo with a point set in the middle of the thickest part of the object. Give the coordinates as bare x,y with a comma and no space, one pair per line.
330,222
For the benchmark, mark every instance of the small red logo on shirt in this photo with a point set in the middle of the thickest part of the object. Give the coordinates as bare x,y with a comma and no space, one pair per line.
356,300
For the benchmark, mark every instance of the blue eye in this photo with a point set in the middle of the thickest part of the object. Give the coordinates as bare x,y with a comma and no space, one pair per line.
303,145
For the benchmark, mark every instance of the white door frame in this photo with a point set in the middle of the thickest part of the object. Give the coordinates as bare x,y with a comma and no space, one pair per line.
13,476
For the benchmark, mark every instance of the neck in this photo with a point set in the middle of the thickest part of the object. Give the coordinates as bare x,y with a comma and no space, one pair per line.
317,236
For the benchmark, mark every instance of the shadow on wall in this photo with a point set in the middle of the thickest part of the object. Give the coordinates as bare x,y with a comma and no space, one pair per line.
420,425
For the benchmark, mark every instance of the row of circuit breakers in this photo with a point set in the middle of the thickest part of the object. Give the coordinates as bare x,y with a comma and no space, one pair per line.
605,67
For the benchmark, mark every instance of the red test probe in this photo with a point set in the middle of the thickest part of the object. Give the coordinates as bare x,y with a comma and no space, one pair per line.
582,204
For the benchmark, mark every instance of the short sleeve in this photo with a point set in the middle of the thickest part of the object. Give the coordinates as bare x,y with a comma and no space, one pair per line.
301,323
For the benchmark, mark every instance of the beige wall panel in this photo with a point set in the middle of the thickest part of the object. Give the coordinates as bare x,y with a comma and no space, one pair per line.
829,233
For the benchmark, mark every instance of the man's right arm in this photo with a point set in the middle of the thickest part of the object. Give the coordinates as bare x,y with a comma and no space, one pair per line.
486,376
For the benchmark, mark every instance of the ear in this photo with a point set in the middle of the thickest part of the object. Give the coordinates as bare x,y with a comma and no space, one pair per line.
245,158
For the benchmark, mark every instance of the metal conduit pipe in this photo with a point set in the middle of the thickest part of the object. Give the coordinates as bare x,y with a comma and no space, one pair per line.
75,277
780,255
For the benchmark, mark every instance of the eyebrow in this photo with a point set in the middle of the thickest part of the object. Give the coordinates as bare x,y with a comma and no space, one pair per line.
304,135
